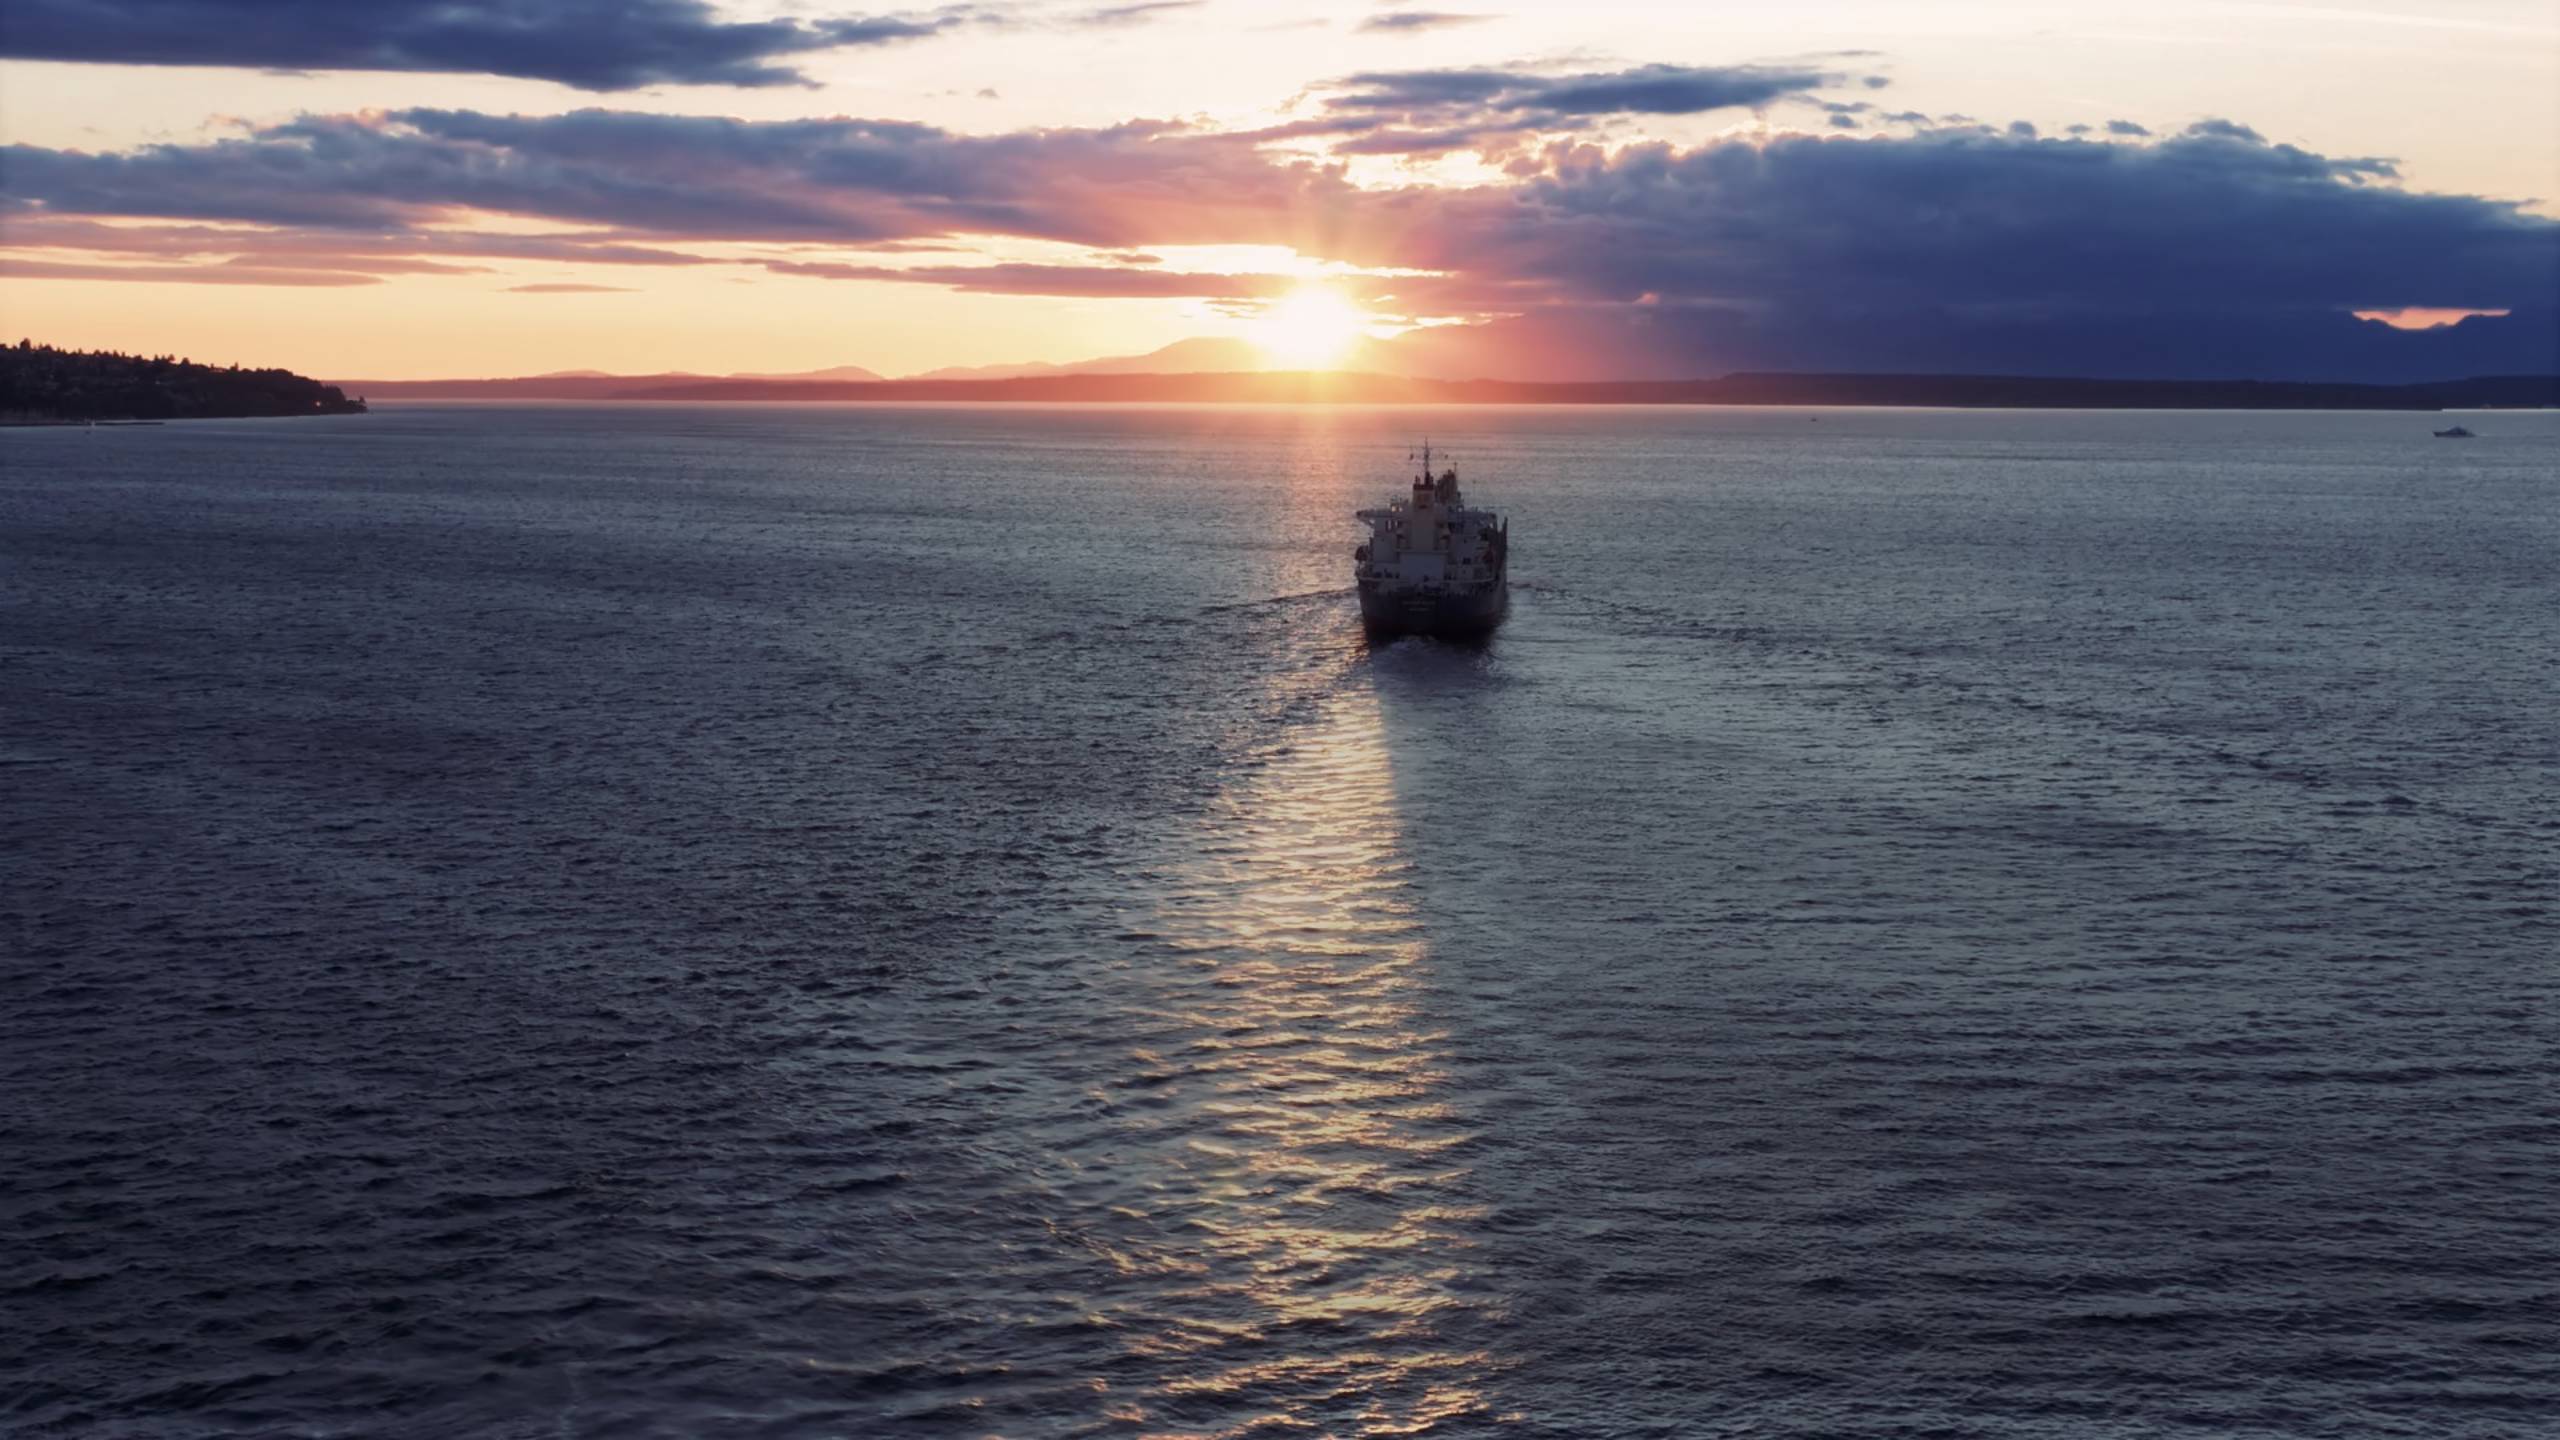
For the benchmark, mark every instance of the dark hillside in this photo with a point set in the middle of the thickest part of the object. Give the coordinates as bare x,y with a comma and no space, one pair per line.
40,384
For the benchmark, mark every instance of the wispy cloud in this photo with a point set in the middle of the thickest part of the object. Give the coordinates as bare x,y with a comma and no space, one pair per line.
1408,22
1136,14
1429,112
16,269
1080,281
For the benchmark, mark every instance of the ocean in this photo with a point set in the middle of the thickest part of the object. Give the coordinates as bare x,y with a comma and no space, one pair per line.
840,921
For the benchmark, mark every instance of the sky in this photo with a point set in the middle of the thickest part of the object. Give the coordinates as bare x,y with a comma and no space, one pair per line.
2367,189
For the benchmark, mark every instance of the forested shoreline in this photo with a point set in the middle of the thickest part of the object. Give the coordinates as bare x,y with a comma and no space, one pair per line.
42,385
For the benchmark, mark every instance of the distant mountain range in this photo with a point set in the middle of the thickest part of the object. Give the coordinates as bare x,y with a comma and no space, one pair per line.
1206,355
1478,364
1350,387
580,384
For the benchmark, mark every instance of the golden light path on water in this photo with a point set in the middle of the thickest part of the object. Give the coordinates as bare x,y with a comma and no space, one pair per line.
1321,1174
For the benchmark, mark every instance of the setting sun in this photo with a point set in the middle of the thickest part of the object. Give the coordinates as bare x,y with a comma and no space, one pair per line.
1313,328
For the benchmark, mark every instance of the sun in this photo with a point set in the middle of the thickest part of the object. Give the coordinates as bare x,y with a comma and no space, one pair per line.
1312,328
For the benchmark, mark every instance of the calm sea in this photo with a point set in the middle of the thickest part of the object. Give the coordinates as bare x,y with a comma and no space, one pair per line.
778,921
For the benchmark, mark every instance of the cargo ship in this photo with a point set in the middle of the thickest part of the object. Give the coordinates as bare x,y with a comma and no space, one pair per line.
1433,565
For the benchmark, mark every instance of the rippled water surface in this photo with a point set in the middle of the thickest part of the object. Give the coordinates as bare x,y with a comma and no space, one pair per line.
863,922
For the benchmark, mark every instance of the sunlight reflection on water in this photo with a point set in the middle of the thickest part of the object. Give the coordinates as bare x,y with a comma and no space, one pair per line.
1322,1167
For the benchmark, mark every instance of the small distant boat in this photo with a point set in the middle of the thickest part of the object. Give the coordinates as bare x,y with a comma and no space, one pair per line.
1434,565
2456,433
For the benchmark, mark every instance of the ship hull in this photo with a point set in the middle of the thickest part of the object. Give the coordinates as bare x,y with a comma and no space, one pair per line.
1440,613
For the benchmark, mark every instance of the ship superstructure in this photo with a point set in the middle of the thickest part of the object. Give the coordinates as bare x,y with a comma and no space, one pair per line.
1433,565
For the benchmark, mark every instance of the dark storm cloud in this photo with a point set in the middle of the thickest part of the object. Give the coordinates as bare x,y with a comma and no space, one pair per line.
1982,218
1970,245
2128,129
589,44
2207,253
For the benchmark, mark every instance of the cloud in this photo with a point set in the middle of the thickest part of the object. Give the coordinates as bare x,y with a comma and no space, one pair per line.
1411,22
2226,130
1136,14
1982,218
1248,290
1432,112
16,269
361,264
835,181
385,252
2127,128
570,289
1528,98
1664,90
1079,281
588,44
2209,251
2206,254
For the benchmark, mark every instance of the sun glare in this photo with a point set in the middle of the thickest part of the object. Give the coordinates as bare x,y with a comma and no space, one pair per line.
1313,328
